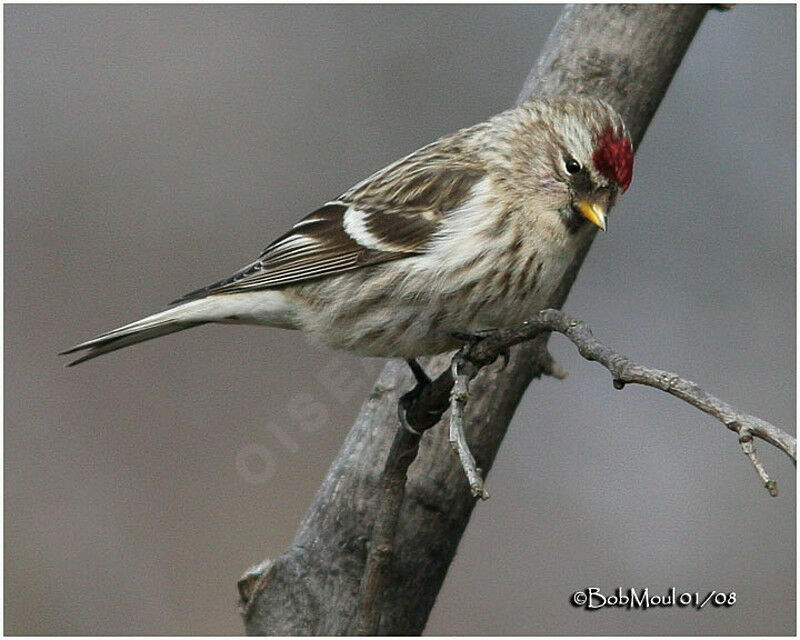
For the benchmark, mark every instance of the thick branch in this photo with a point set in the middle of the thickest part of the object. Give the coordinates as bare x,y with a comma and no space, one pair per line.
625,54
401,455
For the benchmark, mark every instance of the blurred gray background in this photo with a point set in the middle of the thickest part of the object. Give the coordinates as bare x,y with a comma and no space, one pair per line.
150,150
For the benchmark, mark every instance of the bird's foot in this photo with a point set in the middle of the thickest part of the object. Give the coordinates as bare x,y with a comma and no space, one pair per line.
471,339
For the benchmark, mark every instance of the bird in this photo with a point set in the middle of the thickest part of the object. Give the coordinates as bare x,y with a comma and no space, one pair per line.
468,234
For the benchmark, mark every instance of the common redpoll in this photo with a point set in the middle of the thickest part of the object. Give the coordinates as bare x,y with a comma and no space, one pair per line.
470,233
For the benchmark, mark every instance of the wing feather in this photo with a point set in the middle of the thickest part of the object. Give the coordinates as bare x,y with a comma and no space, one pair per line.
393,214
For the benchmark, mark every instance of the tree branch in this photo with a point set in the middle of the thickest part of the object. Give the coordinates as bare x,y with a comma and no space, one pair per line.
401,455
625,54
625,371
466,364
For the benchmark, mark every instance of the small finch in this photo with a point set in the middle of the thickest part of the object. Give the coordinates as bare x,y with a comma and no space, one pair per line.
470,233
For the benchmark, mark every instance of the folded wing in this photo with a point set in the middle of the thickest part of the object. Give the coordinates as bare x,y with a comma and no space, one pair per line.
393,214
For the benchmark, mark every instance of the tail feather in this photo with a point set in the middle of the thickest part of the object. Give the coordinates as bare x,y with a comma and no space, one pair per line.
154,326
264,307
114,340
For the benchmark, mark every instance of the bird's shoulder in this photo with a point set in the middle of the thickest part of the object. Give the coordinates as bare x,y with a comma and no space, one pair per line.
435,177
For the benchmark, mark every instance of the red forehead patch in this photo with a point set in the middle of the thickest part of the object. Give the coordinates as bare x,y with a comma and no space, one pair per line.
613,158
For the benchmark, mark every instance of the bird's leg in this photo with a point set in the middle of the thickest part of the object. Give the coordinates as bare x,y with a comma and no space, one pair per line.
408,398
419,373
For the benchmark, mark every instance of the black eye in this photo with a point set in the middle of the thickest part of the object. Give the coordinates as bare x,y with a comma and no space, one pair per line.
572,165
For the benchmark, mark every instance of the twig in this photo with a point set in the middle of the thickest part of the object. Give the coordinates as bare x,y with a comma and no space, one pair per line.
749,449
623,370
458,439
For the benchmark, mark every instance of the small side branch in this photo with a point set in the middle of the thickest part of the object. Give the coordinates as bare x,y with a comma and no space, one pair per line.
625,371
749,449
458,438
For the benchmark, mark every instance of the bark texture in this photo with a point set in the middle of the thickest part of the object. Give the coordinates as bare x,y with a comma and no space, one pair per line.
625,54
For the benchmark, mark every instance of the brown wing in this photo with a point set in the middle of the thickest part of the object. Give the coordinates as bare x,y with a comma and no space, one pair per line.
391,215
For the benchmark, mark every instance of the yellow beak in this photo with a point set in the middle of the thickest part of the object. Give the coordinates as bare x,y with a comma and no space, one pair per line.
593,212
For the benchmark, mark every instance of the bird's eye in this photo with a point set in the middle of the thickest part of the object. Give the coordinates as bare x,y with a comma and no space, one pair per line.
572,165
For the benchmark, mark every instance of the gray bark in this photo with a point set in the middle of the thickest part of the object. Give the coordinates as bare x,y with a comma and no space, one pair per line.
625,54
